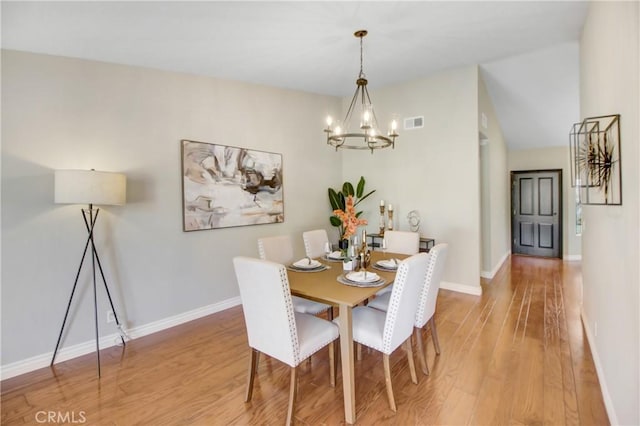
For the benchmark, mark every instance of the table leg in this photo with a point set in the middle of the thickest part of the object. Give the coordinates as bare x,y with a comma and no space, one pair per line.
348,374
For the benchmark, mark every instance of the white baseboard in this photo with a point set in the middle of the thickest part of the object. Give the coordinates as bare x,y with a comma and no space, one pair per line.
490,274
65,353
572,257
461,288
608,402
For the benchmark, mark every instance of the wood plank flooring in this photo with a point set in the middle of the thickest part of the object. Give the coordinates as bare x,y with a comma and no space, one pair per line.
516,355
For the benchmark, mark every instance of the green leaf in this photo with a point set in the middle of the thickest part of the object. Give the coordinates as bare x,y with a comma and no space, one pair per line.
358,214
343,201
335,221
334,199
358,202
360,190
347,189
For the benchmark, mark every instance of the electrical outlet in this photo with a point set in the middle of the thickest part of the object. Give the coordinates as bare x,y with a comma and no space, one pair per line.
110,317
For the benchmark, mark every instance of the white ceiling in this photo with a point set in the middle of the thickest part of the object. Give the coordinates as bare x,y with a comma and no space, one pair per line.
527,49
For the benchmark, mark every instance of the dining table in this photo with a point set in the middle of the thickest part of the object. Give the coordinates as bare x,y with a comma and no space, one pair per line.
323,286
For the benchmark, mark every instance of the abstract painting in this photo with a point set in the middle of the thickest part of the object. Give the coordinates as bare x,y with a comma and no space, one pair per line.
226,186
595,160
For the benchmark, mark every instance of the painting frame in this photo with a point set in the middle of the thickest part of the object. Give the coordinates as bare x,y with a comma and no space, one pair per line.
595,157
225,186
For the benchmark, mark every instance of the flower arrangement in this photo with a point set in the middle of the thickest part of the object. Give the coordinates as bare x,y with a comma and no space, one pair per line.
338,201
349,218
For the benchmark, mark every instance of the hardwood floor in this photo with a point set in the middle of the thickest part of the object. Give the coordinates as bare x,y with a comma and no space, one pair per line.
515,355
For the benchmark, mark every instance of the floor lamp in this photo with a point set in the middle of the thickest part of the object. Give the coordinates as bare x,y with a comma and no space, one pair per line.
90,187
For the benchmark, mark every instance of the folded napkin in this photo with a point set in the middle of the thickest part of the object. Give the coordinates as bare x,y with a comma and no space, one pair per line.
304,263
359,276
387,263
335,255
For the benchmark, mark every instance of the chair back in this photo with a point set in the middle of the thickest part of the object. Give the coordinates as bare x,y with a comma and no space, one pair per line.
429,294
403,303
402,242
278,249
267,307
314,242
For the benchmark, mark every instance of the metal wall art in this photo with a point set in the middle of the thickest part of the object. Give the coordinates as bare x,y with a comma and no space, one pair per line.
226,186
594,146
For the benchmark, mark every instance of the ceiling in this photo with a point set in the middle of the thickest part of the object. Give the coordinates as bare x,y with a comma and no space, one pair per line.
526,49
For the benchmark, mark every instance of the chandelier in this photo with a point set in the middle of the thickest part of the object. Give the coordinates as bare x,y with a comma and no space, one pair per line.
367,135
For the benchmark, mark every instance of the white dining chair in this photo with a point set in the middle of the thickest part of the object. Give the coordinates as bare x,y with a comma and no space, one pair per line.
274,328
427,304
315,242
401,242
386,331
279,249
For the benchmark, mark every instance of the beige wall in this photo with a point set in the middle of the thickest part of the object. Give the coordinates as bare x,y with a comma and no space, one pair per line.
554,158
433,170
609,74
60,113
65,113
496,225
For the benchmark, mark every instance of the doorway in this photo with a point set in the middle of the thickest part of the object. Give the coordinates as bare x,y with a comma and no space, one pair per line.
536,213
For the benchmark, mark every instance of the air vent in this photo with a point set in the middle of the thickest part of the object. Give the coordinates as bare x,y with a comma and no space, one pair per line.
413,123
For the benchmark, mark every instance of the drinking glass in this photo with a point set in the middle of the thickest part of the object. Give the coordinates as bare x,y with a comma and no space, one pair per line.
327,249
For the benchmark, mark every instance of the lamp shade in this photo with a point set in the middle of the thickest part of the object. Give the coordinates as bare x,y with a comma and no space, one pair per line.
90,187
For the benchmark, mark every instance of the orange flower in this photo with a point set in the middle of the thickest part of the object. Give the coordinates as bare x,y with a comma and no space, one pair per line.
349,220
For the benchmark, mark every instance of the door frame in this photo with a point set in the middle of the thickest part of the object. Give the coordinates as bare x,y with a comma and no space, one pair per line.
513,173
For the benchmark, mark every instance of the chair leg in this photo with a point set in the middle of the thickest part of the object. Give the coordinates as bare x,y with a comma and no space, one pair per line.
253,366
358,351
412,365
387,380
434,335
330,313
419,347
293,390
332,364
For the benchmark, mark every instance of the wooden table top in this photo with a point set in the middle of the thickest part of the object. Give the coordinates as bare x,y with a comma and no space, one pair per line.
324,287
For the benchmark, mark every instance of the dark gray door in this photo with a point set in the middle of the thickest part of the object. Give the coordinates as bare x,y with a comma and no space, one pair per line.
536,213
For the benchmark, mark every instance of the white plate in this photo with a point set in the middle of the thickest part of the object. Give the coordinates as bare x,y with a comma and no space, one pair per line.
359,277
387,263
335,255
304,264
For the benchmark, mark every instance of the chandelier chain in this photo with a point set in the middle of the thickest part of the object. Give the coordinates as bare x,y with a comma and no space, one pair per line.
362,75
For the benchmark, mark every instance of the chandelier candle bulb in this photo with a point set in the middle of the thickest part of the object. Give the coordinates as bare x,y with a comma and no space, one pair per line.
394,128
329,122
337,129
381,203
390,207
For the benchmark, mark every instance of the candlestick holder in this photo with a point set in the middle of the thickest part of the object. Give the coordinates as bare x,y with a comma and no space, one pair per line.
381,221
390,225
364,254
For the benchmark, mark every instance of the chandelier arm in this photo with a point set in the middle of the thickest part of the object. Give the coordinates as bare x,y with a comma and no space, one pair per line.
347,117
377,141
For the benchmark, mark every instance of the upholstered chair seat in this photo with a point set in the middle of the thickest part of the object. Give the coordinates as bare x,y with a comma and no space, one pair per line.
279,249
386,331
315,242
274,328
425,313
